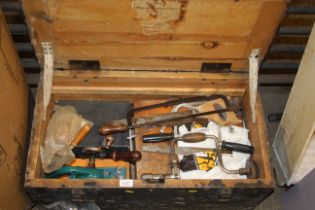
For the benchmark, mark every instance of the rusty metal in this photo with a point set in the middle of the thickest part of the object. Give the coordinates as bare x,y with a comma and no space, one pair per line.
188,138
160,120
249,171
178,150
176,102
252,166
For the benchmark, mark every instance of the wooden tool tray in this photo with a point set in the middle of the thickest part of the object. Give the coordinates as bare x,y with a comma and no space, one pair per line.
153,163
144,50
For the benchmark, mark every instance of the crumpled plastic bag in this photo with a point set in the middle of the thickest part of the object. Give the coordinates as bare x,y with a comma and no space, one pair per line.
62,128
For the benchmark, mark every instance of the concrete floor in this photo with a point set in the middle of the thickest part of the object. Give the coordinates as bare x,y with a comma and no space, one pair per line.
274,101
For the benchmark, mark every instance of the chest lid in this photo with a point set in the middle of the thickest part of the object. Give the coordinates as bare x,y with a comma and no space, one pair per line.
181,35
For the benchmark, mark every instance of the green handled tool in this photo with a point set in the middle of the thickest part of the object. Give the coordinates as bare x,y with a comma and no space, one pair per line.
76,172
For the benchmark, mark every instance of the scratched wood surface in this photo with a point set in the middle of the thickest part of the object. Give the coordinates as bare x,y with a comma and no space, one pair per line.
155,163
14,106
298,122
145,84
153,35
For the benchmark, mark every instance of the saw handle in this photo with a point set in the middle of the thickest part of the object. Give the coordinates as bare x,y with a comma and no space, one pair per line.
237,147
155,138
112,127
128,156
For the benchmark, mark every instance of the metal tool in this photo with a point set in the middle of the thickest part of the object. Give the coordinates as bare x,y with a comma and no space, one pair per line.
169,119
222,114
193,138
178,150
180,101
76,172
161,137
104,153
188,138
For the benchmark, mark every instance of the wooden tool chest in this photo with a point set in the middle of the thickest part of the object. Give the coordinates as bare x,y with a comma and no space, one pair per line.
144,52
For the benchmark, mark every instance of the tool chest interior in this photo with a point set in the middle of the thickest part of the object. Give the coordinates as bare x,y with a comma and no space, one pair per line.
48,189
132,54
106,111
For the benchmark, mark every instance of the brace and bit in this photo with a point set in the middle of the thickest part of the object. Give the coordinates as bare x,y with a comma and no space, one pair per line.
250,170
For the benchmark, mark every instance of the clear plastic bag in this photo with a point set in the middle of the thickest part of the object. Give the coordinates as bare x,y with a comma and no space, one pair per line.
62,129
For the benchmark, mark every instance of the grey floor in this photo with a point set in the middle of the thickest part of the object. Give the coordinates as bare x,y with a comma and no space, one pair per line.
274,101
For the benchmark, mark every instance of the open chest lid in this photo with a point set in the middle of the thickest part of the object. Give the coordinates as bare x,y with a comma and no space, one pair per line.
198,35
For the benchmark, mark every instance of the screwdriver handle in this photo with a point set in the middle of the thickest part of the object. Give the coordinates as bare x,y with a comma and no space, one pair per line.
193,137
155,138
237,147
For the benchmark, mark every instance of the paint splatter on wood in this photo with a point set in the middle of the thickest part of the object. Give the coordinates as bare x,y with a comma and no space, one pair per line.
159,16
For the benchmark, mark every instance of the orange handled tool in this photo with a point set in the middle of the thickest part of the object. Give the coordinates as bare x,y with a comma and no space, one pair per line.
83,132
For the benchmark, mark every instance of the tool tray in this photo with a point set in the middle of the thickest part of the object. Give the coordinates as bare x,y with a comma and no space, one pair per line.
144,52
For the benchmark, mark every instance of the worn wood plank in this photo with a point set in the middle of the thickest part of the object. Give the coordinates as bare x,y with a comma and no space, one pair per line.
297,124
259,138
146,35
154,163
307,162
13,124
264,29
147,83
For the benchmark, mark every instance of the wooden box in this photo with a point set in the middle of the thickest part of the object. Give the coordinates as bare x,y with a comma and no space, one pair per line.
140,50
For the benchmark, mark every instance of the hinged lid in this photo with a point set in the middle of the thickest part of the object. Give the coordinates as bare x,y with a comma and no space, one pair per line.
153,34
